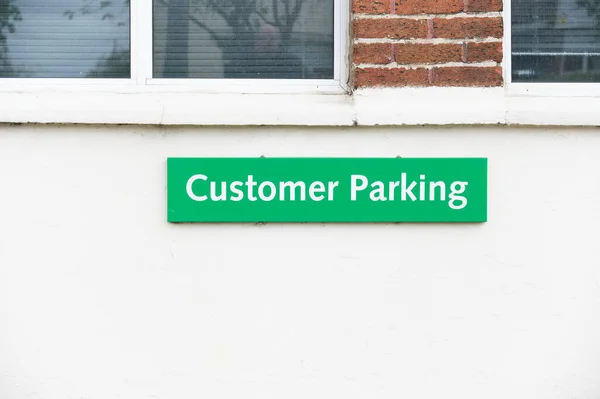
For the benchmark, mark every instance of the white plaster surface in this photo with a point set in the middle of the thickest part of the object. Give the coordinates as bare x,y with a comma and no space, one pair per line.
101,298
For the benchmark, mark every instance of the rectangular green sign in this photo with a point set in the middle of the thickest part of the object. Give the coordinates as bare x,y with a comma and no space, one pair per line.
327,189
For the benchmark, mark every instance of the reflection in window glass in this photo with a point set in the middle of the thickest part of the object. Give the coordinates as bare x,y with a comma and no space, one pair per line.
64,39
555,41
243,39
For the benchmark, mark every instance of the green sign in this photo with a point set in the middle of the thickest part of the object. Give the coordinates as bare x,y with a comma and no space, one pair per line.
327,189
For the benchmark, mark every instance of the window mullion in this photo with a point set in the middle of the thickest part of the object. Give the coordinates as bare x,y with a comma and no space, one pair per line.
141,41
341,38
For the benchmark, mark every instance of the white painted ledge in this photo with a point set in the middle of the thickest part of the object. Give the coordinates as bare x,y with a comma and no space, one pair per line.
438,106
553,111
369,107
176,109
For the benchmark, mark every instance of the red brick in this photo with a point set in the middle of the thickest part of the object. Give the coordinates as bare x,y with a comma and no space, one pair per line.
371,6
483,5
467,76
478,52
428,53
459,28
390,28
390,77
372,53
408,7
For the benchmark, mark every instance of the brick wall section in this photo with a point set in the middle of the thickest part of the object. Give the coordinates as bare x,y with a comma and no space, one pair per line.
427,43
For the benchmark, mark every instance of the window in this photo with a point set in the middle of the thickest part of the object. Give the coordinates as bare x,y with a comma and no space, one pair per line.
555,41
174,41
243,39
64,39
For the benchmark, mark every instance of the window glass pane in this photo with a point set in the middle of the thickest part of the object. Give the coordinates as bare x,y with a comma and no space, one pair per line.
64,38
243,39
555,40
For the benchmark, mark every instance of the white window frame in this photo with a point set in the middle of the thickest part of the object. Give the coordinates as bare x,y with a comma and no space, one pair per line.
543,90
142,81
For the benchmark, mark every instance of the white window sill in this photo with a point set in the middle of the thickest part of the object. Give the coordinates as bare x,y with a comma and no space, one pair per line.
369,107
476,106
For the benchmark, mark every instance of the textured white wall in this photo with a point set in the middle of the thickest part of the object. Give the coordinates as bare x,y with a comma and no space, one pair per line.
100,298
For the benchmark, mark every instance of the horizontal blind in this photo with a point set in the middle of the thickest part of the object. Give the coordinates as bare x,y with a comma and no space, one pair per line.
555,40
64,39
243,39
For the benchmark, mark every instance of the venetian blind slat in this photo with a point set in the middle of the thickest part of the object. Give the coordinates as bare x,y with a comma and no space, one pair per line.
243,39
555,41
64,39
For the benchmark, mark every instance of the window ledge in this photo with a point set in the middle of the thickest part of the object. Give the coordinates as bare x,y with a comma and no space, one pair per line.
367,107
177,108
473,106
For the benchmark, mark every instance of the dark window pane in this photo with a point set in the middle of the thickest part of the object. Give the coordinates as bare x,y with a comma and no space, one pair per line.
243,39
64,39
555,40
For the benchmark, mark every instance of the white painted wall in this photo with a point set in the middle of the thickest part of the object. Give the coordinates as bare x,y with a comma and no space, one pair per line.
100,298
